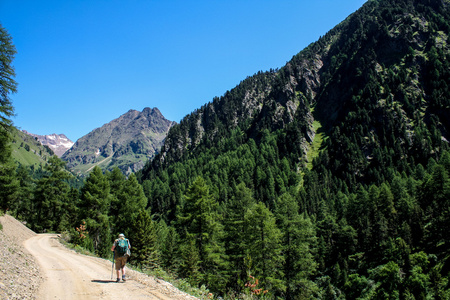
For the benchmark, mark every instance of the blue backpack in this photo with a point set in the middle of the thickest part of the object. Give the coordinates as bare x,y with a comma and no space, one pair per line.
122,247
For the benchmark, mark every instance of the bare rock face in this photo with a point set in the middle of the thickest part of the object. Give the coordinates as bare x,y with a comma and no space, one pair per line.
126,142
59,143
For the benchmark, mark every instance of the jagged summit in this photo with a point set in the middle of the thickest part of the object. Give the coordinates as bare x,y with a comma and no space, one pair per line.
126,142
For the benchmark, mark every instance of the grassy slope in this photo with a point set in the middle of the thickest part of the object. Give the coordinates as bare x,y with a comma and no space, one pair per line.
26,150
316,144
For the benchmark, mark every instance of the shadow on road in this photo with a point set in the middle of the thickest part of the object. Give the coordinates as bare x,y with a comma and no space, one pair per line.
103,281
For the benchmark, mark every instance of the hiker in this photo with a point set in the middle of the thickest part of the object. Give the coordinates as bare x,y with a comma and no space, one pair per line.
121,248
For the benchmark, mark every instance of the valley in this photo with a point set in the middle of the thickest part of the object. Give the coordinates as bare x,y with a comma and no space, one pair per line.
326,178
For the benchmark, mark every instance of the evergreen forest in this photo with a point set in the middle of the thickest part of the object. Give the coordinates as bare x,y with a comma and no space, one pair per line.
328,178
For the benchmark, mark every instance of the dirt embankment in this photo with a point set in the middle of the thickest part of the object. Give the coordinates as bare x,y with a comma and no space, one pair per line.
20,272
39,267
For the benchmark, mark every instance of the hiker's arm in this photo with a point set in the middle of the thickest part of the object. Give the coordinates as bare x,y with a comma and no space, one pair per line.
113,246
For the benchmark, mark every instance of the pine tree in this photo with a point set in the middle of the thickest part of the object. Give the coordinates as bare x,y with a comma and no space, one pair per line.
198,221
189,261
235,240
130,200
8,180
435,195
7,86
143,239
168,246
298,241
263,240
70,219
24,203
9,183
116,181
94,206
50,196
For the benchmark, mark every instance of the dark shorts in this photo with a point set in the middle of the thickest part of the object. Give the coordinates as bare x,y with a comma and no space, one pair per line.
121,262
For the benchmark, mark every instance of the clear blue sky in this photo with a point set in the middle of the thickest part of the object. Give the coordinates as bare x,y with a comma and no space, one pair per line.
83,63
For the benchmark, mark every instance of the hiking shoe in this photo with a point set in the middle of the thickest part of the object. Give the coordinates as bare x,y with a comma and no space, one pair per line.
118,280
123,278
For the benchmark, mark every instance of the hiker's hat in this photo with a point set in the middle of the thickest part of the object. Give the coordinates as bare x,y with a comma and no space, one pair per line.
121,235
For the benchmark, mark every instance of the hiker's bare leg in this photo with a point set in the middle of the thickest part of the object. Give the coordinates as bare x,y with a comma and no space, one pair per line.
118,273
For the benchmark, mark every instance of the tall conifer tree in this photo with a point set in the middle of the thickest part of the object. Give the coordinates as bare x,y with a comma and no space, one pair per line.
8,181
130,201
298,241
168,246
143,237
235,239
95,203
199,222
51,195
263,239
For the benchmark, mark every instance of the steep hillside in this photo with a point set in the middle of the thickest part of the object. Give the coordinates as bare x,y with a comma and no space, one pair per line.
126,142
327,178
28,151
379,79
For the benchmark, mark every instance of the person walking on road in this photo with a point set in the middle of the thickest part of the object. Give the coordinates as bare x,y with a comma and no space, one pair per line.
121,248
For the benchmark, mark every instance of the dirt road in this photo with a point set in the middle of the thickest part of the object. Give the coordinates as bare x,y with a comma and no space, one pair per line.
70,275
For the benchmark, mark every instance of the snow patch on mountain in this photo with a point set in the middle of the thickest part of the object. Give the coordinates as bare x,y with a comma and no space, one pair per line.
59,143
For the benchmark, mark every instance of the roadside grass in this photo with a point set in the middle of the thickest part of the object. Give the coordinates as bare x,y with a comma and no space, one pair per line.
180,283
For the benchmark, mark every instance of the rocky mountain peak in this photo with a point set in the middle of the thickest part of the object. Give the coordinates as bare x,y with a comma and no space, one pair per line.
126,142
59,143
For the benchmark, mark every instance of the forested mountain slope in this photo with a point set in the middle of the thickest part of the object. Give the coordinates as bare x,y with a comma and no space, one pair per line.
338,152
376,86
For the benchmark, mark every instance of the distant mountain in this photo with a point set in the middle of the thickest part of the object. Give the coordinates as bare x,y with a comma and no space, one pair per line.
126,142
28,150
59,143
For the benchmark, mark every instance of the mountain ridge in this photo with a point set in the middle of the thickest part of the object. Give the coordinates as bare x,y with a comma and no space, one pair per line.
308,87
126,142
